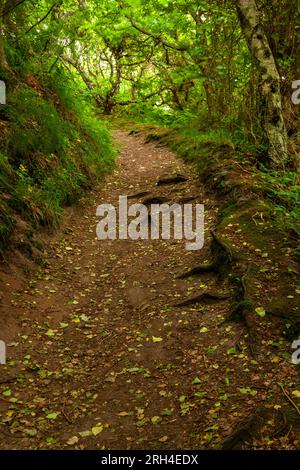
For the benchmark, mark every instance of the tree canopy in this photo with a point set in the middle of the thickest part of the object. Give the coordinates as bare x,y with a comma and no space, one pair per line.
191,56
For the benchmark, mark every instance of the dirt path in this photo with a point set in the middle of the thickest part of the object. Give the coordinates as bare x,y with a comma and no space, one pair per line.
102,358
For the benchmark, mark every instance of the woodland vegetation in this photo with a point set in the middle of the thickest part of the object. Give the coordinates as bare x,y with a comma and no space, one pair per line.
220,71
218,83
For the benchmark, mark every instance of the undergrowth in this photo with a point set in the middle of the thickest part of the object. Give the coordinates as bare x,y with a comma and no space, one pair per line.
284,192
203,142
52,148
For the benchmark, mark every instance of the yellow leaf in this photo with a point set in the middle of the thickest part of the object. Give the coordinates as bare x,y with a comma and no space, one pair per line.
50,333
156,419
261,312
72,441
123,413
156,339
97,429
276,360
76,320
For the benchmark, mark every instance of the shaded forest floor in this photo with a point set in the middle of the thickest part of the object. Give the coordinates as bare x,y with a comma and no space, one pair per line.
99,356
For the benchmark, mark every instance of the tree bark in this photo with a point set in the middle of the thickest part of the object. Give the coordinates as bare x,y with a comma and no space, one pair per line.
271,115
3,62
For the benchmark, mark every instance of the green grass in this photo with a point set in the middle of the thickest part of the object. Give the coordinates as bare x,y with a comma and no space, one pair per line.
283,189
214,146
49,155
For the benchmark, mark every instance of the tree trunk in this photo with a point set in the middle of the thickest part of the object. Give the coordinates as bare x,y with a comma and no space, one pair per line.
271,115
209,94
108,105
207,68
3,63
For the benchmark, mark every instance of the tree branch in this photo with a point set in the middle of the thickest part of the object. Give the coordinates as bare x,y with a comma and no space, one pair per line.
156,37
42,19
80,70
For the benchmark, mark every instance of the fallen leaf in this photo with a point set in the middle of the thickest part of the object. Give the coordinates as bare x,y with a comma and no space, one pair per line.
97,429
156,419
85,433
50,333
72,441
156,339
261,312
52,415
196,381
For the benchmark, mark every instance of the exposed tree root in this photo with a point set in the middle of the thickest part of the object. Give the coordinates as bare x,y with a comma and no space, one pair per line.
242,310
9,380
248,430
154,200
284,420
222,264
172,180
202,268
152,137
186,199
290,399
205,297
222,259
140,194
290,419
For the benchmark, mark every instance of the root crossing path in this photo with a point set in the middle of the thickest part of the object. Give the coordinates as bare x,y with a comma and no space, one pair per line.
100,357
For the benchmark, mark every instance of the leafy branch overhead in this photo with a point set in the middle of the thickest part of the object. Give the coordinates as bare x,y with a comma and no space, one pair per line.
174,54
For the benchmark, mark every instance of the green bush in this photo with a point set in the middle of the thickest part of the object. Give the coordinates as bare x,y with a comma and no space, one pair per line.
283,189
54,149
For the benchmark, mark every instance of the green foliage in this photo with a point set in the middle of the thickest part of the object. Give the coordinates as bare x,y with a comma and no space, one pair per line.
35,127
283,189
187,136
147,114
50,155
191,143
178,64
7,179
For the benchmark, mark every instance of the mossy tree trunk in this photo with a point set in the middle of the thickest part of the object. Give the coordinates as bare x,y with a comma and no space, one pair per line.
271,115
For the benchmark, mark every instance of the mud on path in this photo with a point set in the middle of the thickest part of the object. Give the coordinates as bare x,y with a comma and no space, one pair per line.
99,357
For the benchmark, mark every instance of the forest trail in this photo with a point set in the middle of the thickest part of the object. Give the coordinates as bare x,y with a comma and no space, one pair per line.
104,360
